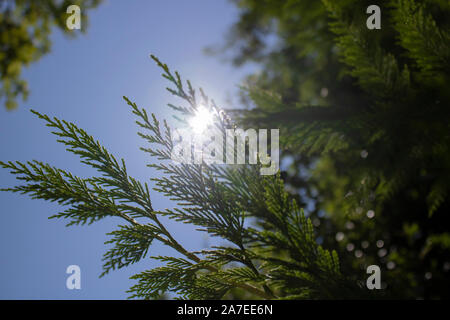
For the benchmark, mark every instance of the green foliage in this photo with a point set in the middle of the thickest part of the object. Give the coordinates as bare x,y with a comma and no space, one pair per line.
363,127
363,123
277,256
25,27
377,72
426,43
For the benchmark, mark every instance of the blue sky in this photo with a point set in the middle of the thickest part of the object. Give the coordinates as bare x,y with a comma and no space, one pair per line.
83,81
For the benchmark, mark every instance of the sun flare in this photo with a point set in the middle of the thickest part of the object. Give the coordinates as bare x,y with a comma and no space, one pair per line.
201,120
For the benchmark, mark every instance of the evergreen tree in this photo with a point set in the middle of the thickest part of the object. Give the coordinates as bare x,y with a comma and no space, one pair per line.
364,123
275,257
363,117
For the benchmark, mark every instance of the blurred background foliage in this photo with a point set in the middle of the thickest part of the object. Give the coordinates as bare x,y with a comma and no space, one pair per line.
364,126
25,28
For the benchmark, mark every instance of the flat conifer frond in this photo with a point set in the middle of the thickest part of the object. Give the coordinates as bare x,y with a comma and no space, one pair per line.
274,256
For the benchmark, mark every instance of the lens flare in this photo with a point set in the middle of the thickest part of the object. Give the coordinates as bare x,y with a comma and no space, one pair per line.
201,120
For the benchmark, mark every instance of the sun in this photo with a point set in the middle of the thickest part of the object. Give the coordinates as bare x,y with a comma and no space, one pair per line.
201,120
